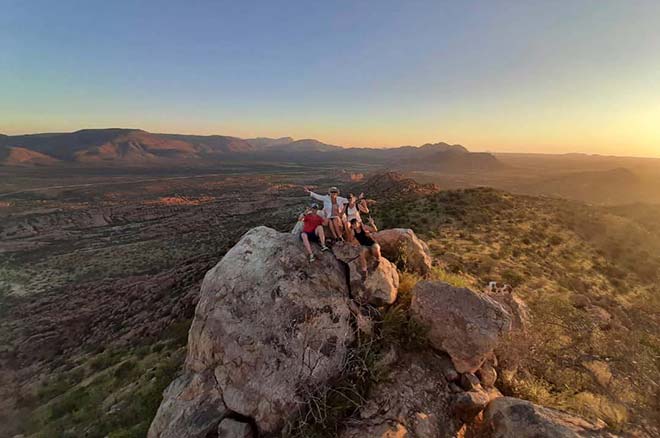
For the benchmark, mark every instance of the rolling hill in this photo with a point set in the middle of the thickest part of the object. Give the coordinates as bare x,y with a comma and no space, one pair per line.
135,147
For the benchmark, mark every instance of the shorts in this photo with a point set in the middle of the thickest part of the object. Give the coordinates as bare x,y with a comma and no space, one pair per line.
369,245
311,236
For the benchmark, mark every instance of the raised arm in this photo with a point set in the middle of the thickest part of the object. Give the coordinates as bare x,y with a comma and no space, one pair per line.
362,206
372,228
316,196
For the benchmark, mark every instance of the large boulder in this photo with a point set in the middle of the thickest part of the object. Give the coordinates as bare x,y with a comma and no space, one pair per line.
269,326
465,324
508,417
411,400
379,287
404,248
381,283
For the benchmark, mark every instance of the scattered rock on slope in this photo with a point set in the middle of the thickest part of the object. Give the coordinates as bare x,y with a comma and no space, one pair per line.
268,326
508,417
465,324
411,401
515,305
402,245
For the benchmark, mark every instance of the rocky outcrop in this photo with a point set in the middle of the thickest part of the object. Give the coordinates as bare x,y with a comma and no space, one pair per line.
508,417
192,406
271,329
381,283
402,246
412,400
465,324
268,325
379,287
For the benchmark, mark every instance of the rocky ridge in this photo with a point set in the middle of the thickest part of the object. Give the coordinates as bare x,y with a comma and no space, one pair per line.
271,332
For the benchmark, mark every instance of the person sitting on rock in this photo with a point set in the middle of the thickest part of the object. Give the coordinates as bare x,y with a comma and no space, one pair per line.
333,209
352,211
368,245
312,230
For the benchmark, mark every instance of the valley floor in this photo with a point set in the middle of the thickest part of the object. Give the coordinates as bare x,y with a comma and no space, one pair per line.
98,285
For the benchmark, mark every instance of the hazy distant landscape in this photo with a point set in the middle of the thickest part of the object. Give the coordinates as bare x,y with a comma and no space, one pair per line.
590,178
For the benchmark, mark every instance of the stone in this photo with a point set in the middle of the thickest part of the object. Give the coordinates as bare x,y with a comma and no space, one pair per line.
508,417
516,307
230,428
487,374
403,247
467,405
380,286
345,251
269,326
411,400
453,387
192,407
448,369
465,324
470,382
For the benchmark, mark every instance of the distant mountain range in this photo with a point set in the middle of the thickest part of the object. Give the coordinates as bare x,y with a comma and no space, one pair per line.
135,147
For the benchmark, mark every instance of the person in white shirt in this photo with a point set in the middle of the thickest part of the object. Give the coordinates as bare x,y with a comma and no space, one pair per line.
333,210
354,207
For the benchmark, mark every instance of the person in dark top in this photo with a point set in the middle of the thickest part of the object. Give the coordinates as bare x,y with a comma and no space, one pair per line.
312,230
369,246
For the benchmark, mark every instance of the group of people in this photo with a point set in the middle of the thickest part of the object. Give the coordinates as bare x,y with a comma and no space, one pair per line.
343,217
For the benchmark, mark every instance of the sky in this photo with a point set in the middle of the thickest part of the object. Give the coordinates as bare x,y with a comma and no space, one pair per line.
519,76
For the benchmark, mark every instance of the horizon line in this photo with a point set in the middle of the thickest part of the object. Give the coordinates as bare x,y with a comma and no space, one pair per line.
485,150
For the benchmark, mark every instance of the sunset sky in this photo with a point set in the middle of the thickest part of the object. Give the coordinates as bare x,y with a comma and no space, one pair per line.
524,76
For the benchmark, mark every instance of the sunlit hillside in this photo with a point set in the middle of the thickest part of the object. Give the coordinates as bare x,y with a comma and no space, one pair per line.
590,277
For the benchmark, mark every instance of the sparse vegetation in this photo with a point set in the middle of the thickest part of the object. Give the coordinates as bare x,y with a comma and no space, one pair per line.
589,277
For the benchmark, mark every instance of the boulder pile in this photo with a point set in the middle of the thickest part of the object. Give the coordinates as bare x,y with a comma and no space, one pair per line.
271,328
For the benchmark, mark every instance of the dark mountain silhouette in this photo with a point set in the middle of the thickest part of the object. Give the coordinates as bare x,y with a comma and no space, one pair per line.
454,160
135,147
266,142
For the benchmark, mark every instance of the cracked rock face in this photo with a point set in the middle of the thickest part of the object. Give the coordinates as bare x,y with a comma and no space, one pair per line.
381,284
465,324
268,326
402,245
413,400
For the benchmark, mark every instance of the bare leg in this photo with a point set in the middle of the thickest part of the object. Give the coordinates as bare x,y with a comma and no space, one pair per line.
333,229
363,259
375,251
321,234
305,240
349,232
338,228
328,223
